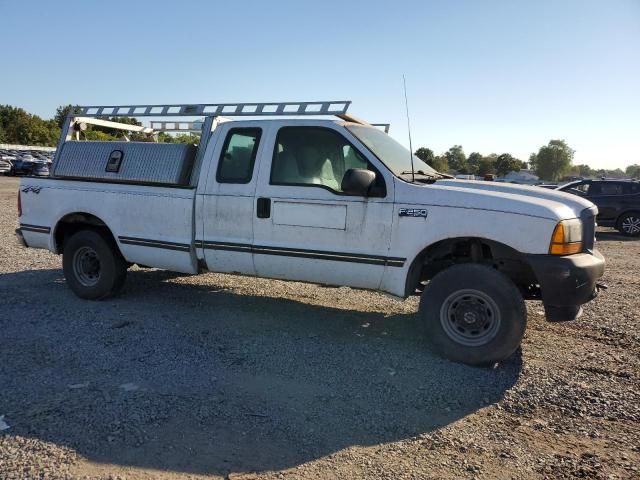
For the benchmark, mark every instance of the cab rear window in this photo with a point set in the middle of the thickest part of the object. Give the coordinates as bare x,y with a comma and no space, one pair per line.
238,155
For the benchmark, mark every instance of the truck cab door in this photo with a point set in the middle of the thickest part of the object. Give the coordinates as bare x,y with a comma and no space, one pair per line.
226,205
305,227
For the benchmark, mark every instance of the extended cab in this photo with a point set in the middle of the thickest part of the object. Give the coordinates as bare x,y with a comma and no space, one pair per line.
329,201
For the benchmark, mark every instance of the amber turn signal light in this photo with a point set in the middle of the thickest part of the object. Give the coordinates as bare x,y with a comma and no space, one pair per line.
566,238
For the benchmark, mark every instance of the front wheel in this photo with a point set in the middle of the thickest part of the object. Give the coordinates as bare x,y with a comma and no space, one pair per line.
473,314
93,266
629,224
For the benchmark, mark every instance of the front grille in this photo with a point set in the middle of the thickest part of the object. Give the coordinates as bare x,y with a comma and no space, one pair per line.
588,229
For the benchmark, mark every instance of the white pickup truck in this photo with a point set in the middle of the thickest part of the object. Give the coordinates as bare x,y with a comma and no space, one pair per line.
330,201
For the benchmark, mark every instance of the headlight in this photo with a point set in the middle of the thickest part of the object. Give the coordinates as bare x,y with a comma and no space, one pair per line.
566,238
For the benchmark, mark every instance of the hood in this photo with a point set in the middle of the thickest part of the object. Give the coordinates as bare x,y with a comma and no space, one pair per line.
503,197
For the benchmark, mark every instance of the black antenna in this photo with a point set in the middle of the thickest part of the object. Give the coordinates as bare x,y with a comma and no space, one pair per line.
406,106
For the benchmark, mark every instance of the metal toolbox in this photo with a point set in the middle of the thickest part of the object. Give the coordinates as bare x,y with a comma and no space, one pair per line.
126,162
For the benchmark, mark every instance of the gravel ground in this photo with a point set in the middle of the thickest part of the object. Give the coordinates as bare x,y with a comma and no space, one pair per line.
216,376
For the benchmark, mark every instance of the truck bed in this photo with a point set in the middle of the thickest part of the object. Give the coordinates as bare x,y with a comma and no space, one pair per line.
132,212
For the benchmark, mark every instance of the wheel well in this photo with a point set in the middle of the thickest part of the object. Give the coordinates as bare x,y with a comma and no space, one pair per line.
74,222
629,210
452,251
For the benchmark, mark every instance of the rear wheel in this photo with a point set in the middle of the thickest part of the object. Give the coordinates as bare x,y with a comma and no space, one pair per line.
473,314
93,266
629,224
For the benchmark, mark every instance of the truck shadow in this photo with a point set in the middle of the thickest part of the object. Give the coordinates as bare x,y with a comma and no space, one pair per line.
199,379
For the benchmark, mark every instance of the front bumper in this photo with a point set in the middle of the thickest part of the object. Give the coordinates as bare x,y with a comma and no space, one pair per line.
567,282
20,238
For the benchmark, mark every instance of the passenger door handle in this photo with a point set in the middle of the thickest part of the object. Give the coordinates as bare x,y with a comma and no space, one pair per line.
263,207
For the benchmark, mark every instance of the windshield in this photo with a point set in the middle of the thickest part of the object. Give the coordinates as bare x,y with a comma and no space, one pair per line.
391,153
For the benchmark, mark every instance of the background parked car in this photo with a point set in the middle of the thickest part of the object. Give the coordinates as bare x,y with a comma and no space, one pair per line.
618,202
40,169
5,167
23,165
26,161
6,158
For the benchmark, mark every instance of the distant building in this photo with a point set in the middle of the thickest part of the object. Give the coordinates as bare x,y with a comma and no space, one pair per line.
522,176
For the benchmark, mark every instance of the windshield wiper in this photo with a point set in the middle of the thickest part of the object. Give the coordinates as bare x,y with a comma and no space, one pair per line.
417,172
430,176
434,176
419,176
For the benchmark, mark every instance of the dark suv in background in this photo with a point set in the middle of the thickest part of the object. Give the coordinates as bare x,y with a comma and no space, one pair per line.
618,202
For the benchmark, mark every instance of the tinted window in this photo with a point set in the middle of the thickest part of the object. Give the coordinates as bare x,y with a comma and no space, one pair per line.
610,188
238,155
315,157
634,188
581,189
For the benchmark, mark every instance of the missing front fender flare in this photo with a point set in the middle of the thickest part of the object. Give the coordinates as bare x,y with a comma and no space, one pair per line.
562,314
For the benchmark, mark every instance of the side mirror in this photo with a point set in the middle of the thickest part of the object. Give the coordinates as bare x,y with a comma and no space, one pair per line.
358,181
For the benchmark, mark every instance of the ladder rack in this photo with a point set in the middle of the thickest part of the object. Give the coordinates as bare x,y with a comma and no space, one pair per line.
210,113
384,126
338,107
184,127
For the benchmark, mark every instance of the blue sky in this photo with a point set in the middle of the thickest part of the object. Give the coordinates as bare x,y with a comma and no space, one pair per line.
493,76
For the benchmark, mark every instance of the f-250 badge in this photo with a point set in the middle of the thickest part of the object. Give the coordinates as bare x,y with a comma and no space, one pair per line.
413,212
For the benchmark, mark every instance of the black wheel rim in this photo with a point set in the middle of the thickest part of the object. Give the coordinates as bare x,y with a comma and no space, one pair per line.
86,266
631,225
470,317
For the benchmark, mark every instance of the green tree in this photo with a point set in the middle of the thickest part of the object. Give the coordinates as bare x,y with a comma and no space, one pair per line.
62,111
473,162
97,135
633,171
186,138
506,163
23,128
487,165
554,160
456,159
3,136
440,164
426,155
582,170
164,137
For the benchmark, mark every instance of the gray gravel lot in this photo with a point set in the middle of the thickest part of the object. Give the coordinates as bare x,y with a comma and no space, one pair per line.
219,376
